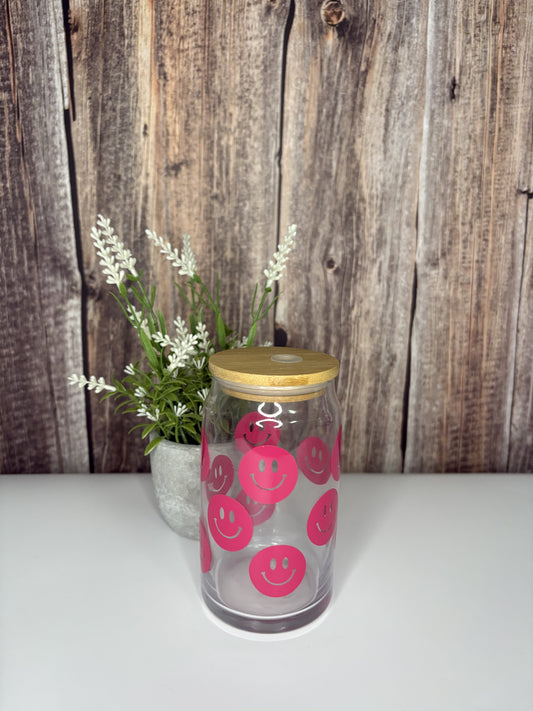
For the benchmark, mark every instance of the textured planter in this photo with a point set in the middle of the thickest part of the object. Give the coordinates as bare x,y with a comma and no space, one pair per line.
176,476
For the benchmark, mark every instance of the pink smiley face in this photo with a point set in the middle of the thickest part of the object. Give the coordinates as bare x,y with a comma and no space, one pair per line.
268,474
258,512
205,549
254,430
278,570
221,474
336,457
204,453
323,518
314,459
229,522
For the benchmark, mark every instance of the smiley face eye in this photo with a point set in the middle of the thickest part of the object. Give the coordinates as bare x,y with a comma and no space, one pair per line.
285,563
221,513
313,452
262,465
274,465
272,564
232,517
325,510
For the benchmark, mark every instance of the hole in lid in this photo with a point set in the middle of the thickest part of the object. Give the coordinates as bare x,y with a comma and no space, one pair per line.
286,358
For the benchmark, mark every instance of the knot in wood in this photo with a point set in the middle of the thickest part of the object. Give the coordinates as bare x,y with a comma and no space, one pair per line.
332,12
332,266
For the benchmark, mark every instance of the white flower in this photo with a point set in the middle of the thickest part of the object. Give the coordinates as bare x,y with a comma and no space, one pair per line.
142,411
188,259
111,270
162,340
137,318
203,337
129,369
185,263
114,257
181,327
279,261
123,255
155,416
92,383
179,409
182,348
203,393
139,393
199,362
181,352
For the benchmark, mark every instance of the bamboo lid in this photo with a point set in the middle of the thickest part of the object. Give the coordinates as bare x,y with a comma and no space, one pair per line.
273,367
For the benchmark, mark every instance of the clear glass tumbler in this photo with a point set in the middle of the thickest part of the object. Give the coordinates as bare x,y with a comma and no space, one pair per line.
270,476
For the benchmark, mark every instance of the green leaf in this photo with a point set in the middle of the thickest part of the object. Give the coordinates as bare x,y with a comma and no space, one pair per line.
162,324
221,331
149,428
149,350
251,335
152,445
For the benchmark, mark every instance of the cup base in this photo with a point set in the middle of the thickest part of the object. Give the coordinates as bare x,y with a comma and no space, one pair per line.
271,624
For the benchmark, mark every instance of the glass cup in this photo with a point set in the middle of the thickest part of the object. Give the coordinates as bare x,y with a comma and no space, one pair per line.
269,496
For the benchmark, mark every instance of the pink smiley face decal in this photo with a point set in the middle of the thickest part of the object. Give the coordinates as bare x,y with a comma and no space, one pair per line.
323,518
278,570
314,459
268,474
258,512
254,430
204,453
229,522
336,457
221,474
205,549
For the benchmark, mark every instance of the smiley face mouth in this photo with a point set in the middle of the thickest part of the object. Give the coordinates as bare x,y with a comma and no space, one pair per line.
278,584
226,536
268,488
257,444
324,530
315,471
219,488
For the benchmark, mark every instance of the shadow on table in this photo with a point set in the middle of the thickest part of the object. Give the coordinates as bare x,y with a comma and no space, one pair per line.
361,515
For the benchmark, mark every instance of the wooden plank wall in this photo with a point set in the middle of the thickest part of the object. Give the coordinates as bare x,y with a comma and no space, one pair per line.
398,135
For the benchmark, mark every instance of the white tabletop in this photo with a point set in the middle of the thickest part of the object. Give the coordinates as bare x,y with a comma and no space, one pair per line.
100,604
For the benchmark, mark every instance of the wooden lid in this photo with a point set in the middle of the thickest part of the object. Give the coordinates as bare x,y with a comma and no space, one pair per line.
274,367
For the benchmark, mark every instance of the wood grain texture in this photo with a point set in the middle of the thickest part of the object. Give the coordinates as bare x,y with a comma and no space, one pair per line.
177,129
471,239
352,135
398,136
521,434
111,82
42,424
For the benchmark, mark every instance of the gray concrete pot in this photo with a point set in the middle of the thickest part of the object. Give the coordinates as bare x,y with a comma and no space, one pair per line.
176,476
